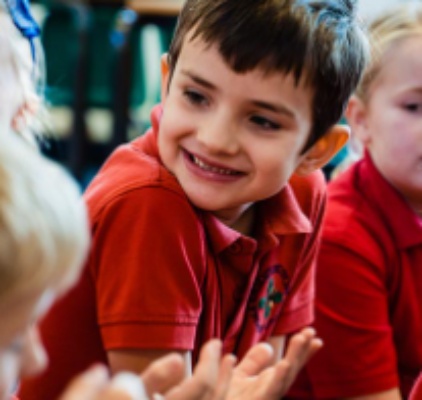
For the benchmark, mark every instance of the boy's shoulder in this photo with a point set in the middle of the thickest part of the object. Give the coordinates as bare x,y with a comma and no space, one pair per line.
310,190
131,167
299,206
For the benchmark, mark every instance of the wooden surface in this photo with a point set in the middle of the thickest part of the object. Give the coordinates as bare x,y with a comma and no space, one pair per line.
156,7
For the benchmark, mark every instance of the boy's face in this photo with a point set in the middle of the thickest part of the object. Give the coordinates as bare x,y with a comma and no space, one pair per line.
391,124
21,351
230,139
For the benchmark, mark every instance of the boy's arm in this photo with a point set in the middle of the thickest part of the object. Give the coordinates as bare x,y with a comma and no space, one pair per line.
137,361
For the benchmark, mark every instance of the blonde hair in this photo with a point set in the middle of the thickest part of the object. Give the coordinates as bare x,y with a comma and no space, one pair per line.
21,77
44,234
385,32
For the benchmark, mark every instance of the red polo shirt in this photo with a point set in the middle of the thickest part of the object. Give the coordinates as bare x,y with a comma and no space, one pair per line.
165,275
369,290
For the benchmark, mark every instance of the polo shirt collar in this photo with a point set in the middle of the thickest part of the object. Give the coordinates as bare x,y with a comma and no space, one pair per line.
405,225
279,215
283,215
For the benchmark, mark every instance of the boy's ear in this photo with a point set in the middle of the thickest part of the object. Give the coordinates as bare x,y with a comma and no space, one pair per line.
165,72
324,149
356,114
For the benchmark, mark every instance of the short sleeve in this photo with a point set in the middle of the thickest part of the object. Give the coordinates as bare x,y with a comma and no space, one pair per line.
147,265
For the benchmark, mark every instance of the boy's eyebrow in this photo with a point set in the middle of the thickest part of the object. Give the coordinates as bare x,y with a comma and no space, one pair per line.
197,79
276,108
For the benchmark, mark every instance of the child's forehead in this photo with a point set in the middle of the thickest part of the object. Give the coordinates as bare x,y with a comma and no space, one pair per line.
263,67
399,62
201,63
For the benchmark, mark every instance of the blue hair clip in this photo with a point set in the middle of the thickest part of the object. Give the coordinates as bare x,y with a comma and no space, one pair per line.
21,16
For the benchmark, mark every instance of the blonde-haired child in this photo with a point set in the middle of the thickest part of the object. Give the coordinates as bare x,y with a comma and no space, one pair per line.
369,279
43,241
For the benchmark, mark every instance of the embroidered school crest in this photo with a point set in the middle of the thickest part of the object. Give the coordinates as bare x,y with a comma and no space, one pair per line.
270,289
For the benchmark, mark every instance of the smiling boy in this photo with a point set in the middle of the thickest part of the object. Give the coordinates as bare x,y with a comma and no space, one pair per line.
208,225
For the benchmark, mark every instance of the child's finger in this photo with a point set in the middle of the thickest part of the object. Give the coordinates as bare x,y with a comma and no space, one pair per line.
256,360
275,381
224,377
205,376
87,385
302,346
164,373
124,386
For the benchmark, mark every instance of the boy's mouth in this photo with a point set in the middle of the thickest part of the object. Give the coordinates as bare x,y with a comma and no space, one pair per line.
210,167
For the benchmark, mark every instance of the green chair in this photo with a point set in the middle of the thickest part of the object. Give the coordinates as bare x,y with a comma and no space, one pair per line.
150,38
64,38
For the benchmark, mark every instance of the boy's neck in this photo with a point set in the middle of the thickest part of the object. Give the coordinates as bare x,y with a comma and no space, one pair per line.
244,223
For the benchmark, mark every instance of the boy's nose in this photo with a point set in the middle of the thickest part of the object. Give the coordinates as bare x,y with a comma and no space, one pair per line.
34,358
219,136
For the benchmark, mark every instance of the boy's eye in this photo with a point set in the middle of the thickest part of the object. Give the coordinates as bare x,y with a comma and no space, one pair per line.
194,97
264,123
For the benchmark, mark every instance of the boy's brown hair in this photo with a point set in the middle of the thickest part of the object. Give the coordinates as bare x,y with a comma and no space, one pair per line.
318,41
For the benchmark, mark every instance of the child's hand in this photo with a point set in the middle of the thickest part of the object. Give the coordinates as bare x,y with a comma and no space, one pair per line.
210,379
95,384
254,378
214,377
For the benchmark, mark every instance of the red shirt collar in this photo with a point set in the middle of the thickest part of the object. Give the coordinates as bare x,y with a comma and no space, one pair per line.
405,224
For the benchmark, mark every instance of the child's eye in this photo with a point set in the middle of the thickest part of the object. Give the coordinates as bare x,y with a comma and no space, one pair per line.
264,123
413,107
195,97
16,346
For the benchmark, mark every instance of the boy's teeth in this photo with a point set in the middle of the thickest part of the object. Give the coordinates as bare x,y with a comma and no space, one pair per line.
210,168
